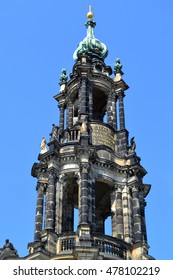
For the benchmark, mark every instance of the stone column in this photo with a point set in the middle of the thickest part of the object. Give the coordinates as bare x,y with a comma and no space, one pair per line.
143,222
113,213
70,114
90,101
83,192
119,213
121,111
127,214
109,110
39,211
91,202
93,206
84,96
61,120
59,207
130,203
136,214
114,113
50,202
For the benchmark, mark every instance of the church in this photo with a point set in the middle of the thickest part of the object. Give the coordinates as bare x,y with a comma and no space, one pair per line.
89,165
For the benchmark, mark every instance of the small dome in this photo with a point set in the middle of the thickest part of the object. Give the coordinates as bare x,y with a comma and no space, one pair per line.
90,45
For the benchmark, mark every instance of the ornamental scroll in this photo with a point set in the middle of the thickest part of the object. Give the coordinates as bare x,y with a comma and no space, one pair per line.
102,135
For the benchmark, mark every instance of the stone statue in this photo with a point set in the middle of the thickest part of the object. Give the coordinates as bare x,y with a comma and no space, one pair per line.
133,144
54,132
132,147
43,146
83,127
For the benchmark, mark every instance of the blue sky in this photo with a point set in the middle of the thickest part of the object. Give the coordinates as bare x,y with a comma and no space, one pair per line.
38,39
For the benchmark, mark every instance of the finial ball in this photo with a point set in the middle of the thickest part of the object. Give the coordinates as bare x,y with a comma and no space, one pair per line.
90,15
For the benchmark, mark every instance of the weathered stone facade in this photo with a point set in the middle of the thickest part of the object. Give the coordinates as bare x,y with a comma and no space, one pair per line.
90,166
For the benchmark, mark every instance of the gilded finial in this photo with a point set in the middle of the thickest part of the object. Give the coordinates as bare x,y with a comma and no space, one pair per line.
90,14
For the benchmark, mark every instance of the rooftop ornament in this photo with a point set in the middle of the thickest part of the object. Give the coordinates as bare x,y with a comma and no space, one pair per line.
63,78
90,45
117,66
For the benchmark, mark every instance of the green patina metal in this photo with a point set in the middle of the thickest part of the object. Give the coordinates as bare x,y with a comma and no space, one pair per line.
90,44
63,78
117,66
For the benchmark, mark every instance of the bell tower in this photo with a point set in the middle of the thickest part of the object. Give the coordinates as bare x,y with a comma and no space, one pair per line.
89,165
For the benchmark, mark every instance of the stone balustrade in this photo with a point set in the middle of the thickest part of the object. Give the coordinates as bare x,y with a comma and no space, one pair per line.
107,245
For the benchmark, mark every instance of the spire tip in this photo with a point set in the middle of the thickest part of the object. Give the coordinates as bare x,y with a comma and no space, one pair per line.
90,14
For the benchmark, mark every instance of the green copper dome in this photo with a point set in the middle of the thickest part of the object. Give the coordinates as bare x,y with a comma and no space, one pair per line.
90,45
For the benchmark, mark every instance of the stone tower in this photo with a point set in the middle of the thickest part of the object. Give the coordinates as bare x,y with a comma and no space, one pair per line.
89,165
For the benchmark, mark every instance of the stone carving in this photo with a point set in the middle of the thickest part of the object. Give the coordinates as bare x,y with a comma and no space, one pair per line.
43,146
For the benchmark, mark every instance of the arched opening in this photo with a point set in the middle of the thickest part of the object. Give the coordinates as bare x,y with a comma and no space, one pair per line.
70,205
103,206
108,226
105,118
75,225
99,104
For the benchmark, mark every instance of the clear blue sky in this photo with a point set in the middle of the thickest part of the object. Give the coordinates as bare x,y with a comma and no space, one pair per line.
38,39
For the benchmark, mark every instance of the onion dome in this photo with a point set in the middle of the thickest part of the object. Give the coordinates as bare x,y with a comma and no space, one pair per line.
90,45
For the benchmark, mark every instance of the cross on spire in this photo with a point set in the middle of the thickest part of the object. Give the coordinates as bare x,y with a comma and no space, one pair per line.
90,9
90,13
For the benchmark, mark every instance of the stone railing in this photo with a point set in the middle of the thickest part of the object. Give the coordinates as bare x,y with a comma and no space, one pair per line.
70,136
66,242
109,247
106,244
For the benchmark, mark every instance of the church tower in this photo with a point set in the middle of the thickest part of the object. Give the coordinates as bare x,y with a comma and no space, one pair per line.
89,165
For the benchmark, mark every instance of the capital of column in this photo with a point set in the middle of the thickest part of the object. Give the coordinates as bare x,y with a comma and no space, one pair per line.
52,175
120,94
118,187
41,186
125,189
84,167
83,77
61,105
77,176
135,188
63,179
